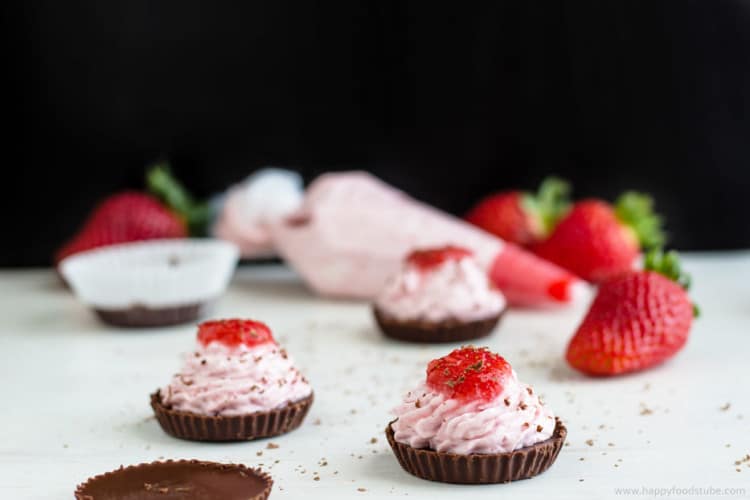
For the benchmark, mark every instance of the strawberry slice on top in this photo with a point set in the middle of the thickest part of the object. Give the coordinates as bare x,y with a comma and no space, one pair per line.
469,374
235,332
430,258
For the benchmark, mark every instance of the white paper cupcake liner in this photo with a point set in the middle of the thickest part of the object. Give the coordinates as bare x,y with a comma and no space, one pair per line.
151,274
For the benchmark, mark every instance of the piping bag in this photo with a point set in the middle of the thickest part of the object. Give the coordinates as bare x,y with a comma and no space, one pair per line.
352,231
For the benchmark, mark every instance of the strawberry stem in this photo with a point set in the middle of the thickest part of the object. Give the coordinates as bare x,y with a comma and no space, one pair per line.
172,193
636,210
550,202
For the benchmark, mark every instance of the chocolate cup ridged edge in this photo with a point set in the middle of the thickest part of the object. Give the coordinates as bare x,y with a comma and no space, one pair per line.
433,333
80,489
259,425
478,468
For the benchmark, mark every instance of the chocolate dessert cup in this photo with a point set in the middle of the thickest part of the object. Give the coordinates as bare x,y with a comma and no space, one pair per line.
258,425
144,317
476,468
183,479
425,332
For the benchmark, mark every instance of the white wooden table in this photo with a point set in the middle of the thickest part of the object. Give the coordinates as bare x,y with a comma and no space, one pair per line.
75,395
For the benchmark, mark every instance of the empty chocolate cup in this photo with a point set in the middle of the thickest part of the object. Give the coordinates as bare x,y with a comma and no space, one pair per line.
181,479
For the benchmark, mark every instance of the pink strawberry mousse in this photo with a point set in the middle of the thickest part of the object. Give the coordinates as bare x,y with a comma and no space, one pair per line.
472,402
232,374
449,284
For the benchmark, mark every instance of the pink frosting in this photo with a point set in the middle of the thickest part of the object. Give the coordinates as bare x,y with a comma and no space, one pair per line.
456,289
513,420
221,380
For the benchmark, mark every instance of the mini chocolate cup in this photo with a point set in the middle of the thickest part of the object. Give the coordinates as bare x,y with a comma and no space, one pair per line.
143,317
478,468
184,479
258,425
426,332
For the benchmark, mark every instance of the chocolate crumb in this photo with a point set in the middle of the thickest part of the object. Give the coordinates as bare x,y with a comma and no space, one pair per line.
523,406
580,480
506,401
539,428
272,446
417,404
590,442
581,459
316,421
725,406
316,478
373,440
610,444
259,453
530,391
361,490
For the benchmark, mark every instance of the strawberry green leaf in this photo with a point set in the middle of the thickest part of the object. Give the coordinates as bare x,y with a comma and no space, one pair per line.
636,210
668,264
172,193
550,203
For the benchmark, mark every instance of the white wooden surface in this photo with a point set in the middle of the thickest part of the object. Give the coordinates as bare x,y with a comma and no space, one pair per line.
75,395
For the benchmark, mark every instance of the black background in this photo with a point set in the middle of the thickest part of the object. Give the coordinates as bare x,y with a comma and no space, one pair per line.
448,103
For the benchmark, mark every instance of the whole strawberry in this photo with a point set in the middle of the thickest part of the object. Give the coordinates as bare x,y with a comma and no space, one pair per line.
598,241
637,320
133,216
520,217
123,218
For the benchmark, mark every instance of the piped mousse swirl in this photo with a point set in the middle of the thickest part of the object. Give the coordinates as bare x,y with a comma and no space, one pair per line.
237,369
439,284
472,402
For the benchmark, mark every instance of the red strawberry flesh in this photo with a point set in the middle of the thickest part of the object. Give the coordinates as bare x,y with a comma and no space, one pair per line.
636,321
469,374
430,258
503,215
235,332
591,242
123,218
